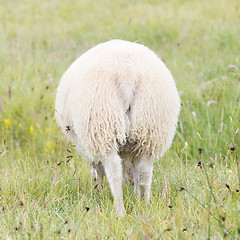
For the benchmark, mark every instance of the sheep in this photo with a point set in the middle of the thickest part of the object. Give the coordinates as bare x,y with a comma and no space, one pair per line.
118,103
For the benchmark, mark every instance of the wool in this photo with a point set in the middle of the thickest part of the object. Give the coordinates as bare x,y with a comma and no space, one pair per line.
99,88
119,98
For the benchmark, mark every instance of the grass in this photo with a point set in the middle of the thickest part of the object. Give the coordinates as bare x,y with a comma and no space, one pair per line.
195,189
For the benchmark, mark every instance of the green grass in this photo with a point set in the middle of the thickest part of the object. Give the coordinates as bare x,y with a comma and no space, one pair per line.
42,196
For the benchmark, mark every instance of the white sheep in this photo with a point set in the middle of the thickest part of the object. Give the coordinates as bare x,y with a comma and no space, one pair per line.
119,105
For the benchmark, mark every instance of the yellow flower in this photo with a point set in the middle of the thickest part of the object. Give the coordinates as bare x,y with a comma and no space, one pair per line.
49,144
50,147
7,123
48,130
31,129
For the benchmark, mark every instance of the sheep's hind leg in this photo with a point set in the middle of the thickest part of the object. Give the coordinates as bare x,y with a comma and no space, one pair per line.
113,169
143,177
98,173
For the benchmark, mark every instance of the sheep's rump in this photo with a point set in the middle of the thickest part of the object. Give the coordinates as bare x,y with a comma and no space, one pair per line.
118,95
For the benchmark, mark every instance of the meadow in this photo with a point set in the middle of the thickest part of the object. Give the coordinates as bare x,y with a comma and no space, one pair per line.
46,188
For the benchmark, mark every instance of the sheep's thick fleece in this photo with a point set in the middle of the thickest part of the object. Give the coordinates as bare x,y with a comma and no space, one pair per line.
119,104
118,95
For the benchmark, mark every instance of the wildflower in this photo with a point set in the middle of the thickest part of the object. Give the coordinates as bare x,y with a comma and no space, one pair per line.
48,130
49,144
7,123
231,66
50,147
31,129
